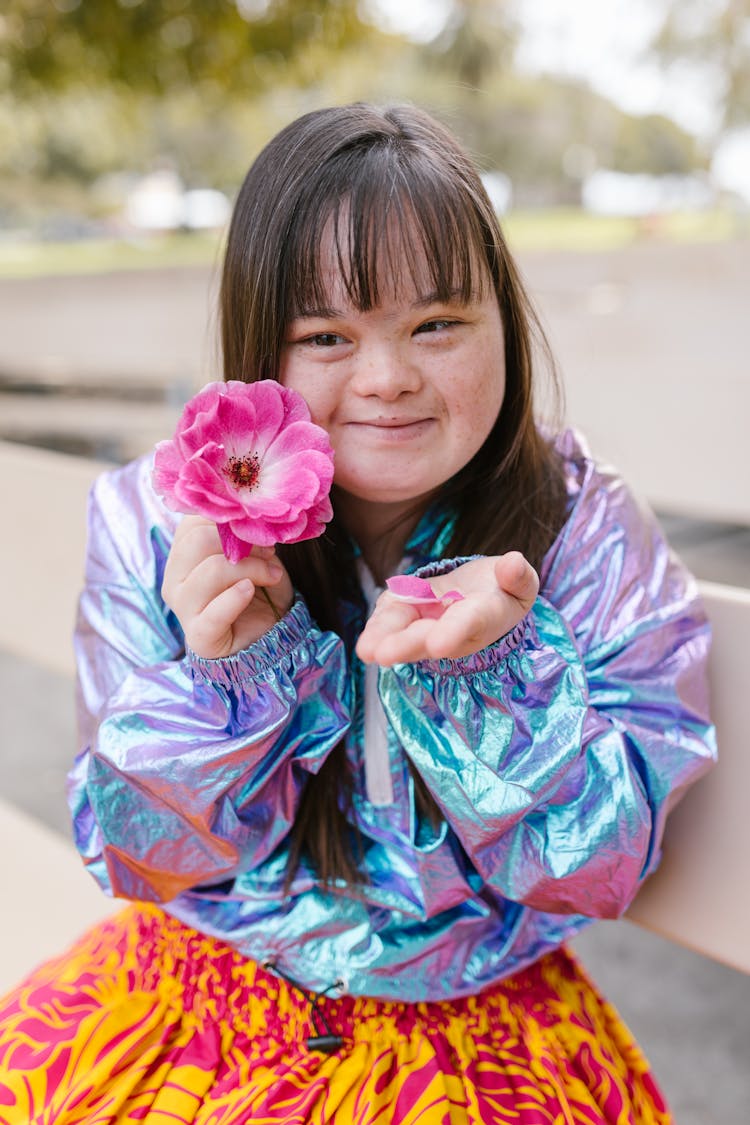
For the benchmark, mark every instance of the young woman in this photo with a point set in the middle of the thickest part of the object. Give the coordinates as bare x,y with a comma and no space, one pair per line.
357,838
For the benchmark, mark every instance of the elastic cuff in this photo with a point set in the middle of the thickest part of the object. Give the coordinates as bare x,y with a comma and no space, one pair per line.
258,658
444,566
488,657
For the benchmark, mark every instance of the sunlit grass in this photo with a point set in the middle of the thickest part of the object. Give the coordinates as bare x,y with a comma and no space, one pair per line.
559,229
27,258
578,230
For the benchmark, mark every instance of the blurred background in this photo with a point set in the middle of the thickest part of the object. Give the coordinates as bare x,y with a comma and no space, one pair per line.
119,117
614,139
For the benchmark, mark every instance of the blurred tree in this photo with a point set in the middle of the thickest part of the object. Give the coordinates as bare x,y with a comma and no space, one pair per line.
654,144
113,88
480,37
545,132
715,35
156,46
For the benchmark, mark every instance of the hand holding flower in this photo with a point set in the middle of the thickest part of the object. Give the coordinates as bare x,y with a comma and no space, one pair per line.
215,600
495,594
248,459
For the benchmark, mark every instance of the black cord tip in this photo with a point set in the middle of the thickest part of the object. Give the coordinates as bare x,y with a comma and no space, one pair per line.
325,1043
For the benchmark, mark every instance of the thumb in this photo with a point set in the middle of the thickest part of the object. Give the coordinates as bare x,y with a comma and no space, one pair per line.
517,578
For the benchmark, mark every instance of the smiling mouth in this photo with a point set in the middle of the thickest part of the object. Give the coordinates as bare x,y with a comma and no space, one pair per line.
394,431
393,423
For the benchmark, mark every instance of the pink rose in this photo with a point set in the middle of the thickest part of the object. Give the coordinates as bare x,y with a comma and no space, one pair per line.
248,457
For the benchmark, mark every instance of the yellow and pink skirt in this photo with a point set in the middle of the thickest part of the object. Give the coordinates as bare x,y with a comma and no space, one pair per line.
145,1020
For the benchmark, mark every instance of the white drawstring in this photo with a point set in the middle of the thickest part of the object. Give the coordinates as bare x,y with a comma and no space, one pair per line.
377,758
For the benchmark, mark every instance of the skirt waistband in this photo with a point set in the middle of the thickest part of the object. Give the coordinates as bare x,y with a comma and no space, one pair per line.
208,979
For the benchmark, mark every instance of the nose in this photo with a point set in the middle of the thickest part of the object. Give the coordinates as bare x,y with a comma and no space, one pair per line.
384,371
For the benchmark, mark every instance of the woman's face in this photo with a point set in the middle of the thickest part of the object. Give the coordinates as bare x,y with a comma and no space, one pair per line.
408,391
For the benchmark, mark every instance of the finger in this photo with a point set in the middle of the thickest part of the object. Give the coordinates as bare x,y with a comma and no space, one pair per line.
404,646
465,628
389,617
211,631
210,576
195,539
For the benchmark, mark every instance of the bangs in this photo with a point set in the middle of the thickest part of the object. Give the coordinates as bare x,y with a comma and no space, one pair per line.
379,224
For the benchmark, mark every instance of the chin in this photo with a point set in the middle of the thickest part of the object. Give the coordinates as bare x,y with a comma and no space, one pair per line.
398,494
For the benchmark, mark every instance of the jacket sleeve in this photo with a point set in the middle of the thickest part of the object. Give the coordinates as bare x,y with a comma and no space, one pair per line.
190,769
556,753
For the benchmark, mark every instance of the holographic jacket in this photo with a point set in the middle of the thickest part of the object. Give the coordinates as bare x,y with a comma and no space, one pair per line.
554,754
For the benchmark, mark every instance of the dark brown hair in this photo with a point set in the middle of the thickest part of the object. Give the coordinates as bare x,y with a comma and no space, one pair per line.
364,172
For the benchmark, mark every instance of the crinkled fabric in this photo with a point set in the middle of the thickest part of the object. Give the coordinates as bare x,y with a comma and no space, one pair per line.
554,754
145,1020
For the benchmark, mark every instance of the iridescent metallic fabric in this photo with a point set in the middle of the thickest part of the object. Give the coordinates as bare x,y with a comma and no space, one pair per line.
554,755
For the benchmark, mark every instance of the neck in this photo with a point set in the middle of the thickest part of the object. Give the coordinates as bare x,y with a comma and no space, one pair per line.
380,530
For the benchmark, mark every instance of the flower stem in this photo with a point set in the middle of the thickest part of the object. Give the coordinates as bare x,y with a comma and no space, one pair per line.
271,602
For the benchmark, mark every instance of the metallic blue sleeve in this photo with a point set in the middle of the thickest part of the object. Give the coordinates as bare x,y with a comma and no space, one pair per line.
556,753
191,769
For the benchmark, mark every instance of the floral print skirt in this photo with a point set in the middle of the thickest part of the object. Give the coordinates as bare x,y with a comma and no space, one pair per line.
145,1020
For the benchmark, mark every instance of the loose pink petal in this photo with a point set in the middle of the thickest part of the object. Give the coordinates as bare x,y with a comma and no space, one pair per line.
418,591
409,586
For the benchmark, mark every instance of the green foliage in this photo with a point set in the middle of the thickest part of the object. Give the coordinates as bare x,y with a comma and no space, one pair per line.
96,88
221,46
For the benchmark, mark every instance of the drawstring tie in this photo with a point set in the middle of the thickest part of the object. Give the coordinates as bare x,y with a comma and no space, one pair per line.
326,1042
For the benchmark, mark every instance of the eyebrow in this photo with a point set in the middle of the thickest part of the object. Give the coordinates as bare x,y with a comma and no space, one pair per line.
328,312
325,312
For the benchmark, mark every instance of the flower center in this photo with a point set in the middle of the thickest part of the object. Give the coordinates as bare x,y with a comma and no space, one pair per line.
243,472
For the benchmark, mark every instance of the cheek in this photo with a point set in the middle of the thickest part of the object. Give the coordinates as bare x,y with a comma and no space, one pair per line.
494,391
312,390
477,406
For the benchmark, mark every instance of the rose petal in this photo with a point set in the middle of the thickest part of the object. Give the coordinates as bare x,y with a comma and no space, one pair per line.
167,465
234,548
297,484
237,426
204,476
198,421
301,437
258,531
418,591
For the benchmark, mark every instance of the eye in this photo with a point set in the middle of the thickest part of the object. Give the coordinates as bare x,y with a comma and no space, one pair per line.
438,324
323,340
